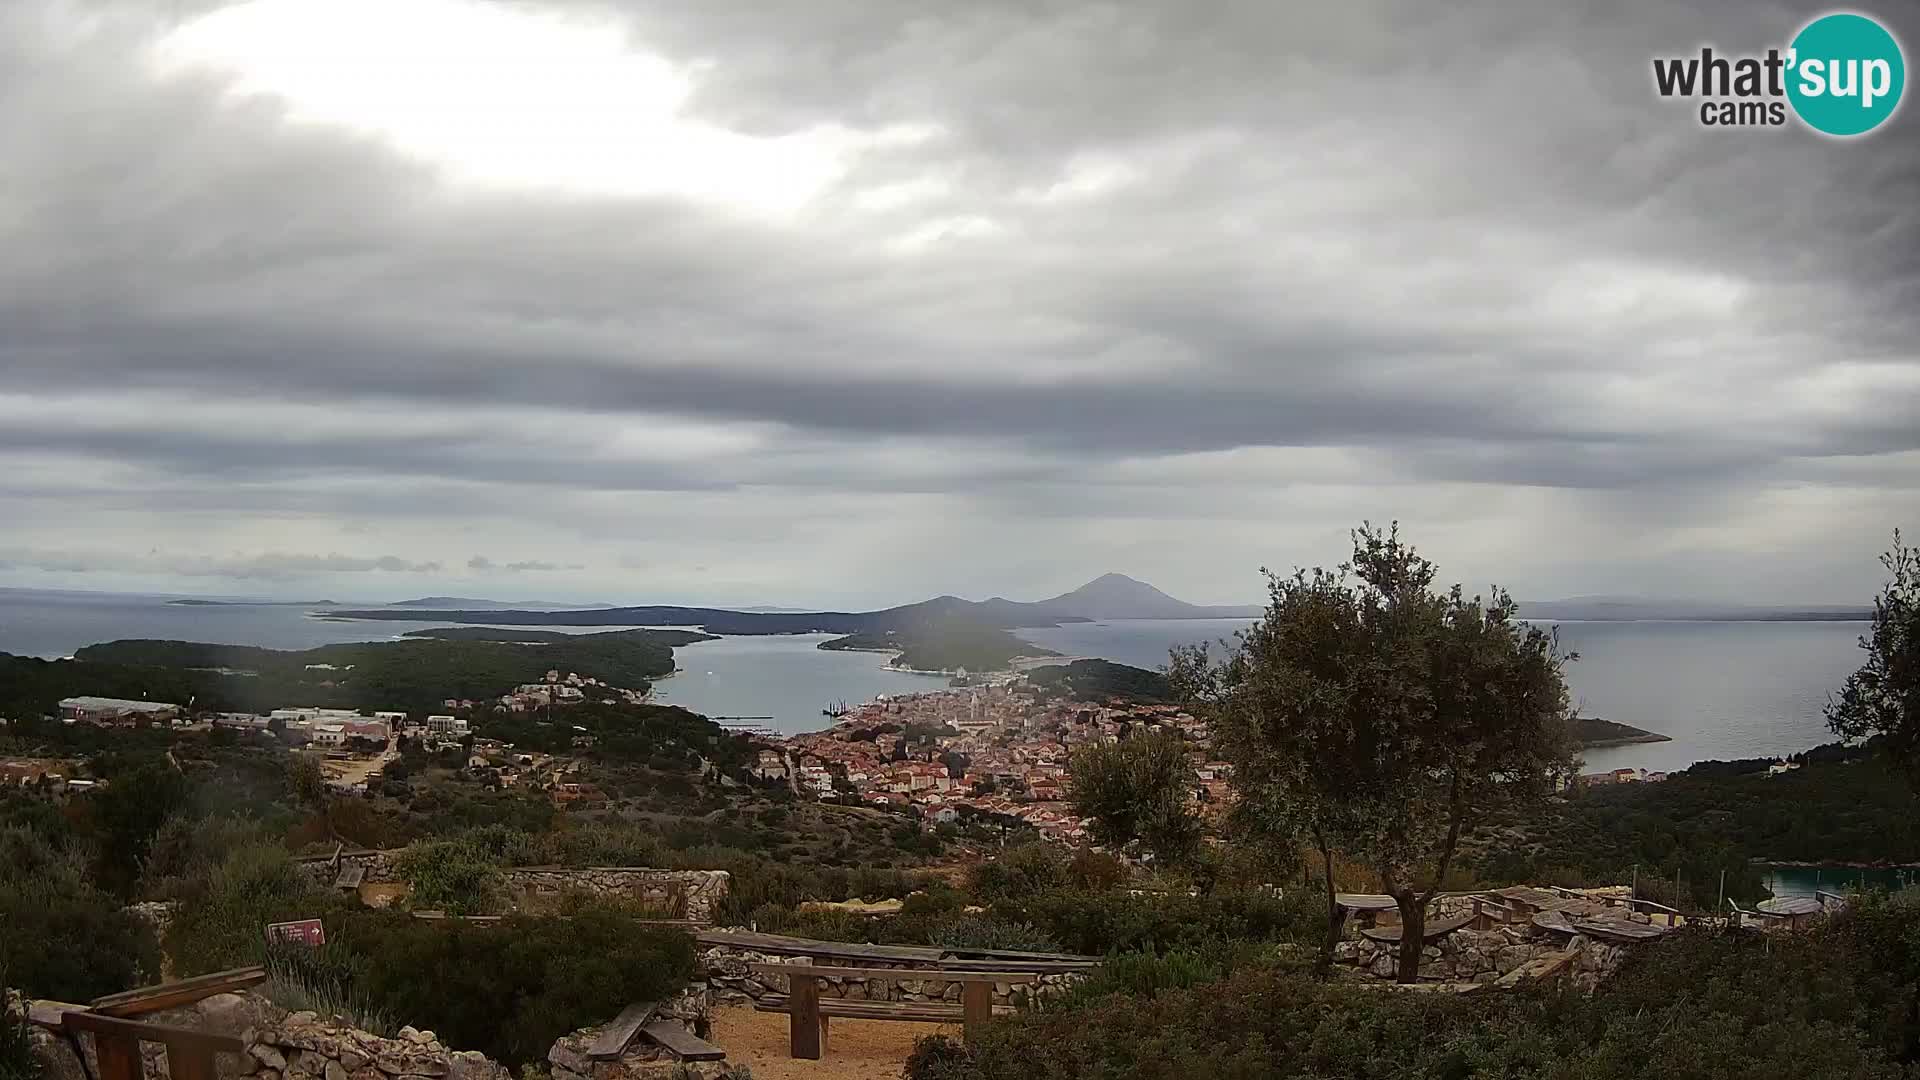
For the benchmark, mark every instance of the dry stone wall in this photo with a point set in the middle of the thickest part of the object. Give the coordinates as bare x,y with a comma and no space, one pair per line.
1482,956
284,1046
699,892
731,980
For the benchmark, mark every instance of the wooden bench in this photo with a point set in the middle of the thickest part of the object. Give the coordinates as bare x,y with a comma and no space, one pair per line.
116,1043
637,1020
1438,928
172,995
809,1012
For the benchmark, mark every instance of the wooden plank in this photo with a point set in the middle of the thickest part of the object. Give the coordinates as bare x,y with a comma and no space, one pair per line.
351,875
803,1023
118,1056
919,1012
976,1006
114,1027
1435,929
834,950
684,1044
615,1036
170,995
1616,931
1016,957
190,1063
1041,967
894,974
49,1014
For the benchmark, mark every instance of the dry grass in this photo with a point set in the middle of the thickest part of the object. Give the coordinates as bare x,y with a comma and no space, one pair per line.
856,1049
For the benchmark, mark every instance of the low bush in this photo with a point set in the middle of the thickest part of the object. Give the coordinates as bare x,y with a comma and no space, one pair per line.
985,932
222,923
1147,975
17,1061
324,980
1020,873
508,989
1831,1004
459,877
1118,921
60,937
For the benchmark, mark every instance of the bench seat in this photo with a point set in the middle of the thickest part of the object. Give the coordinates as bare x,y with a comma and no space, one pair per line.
926,1012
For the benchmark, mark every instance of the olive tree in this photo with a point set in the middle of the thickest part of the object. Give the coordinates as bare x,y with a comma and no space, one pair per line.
1138,791
1370,714
1883,697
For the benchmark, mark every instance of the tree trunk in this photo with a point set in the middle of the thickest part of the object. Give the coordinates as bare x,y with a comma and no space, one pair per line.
1334,915
1413,926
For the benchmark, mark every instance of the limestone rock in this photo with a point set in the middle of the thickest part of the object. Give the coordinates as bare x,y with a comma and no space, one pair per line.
1512,957
562,1056
268,1056
56,1055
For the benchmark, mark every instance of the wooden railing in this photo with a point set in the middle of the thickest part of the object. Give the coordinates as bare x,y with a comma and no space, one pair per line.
117,1038
116,1044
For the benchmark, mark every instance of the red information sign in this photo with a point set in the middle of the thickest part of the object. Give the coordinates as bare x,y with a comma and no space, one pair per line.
300,931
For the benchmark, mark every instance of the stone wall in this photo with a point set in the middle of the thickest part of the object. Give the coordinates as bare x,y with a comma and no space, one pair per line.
701,891
284,1046
1480,956
303,1046
732,981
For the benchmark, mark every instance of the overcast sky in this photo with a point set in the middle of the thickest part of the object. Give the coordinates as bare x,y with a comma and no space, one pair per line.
851,302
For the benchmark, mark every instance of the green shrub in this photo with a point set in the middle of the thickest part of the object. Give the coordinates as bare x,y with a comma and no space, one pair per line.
324,980
459,877
1104,922
17,1060
186,849
1020,873
509,989
964,931
1147,975
60,937
1699,1005
222,923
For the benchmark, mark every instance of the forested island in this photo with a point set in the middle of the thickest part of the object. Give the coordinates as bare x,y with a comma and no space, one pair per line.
944,645
1593,733
412,674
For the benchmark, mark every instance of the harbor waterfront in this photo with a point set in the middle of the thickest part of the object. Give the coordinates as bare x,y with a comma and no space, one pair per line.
1715,689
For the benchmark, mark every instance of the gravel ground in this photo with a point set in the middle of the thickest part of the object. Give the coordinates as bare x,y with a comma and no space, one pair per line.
856,1049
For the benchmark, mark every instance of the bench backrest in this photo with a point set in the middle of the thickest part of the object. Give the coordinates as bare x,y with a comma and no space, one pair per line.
926,974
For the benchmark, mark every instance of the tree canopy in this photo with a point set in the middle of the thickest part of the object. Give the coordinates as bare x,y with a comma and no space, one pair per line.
1883,697
1137,790
1371,713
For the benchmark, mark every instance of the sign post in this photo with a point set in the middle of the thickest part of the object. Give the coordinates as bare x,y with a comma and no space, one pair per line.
307,932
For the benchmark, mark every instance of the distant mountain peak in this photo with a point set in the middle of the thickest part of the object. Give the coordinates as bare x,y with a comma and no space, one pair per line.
1117,596
1111,584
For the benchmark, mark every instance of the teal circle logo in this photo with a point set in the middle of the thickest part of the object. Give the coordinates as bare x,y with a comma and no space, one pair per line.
1845,74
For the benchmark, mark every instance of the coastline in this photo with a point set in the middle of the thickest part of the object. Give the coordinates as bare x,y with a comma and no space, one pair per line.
1634,740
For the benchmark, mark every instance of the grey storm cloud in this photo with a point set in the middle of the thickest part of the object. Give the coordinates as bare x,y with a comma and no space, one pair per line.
484,565
1078,278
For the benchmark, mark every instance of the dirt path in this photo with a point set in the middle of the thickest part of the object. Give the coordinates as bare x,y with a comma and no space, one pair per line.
856,1049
